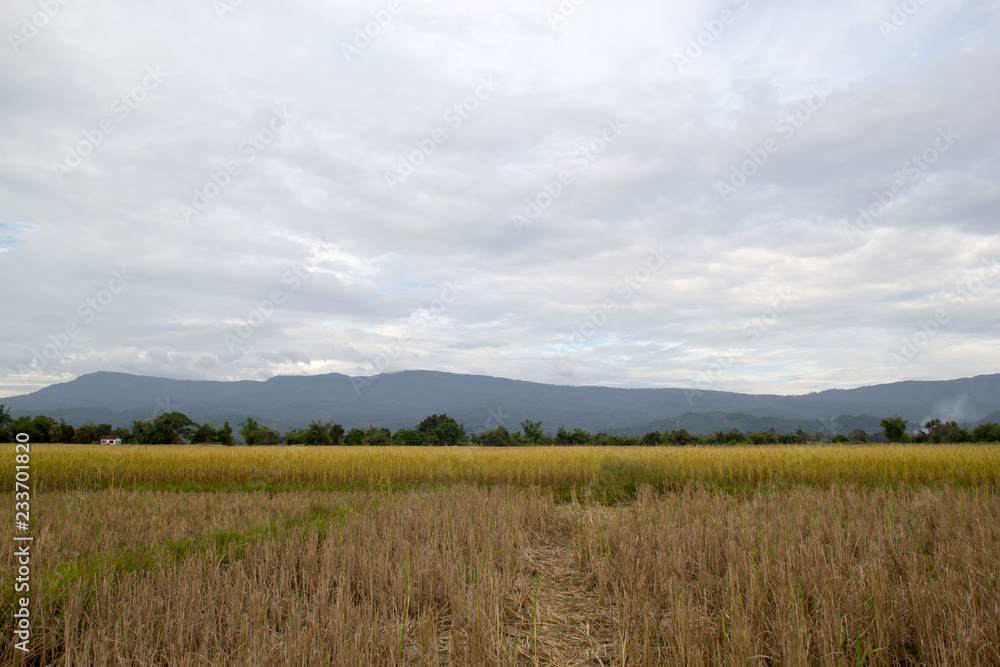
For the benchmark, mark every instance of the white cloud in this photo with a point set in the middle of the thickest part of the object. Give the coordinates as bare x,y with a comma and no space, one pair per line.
361,268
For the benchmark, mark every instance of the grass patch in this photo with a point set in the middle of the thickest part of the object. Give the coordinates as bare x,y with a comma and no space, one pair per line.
105,569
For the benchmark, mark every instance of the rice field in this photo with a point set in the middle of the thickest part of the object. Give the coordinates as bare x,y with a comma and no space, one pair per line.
854,555
213,468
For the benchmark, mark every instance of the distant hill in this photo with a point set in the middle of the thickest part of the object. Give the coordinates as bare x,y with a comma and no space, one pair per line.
708,423
403,399
992,418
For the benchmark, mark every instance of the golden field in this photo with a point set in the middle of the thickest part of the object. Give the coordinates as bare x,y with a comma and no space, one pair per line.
209,468
812,555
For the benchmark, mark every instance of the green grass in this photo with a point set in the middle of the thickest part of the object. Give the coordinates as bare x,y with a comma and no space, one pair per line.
228,544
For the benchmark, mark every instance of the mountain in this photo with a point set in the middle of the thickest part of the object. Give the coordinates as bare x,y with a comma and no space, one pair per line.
706,423
992,418
399,400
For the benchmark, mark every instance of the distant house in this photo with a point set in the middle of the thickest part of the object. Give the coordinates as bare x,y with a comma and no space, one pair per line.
111,441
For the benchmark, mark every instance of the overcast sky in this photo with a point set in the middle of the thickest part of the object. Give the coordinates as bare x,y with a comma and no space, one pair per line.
775,197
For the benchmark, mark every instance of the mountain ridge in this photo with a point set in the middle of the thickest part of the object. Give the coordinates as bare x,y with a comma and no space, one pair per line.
403,399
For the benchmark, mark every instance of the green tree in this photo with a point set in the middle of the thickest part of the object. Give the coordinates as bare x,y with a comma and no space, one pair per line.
318,433
46,427
250,430
679,438
173,427
22,425
255,435
355,437
731,437
296,436
65,432
651,438
377,437
577,436
267,437
987,433
88,434
337,434
938,432
959,434
166,429
205,433
142,432
498,437
442,430
839,438
164,433
408,437
533,432
451,432
763,438
606,440
857,435
894,429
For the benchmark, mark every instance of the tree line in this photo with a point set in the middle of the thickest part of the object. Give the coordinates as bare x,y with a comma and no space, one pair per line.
165,429
442,430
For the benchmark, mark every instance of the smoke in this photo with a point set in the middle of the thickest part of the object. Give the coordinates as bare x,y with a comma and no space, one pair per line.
955,409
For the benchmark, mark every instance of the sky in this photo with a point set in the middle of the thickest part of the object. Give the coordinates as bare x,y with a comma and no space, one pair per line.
778,197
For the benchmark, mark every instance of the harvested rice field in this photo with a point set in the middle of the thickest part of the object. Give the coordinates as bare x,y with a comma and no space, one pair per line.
855,555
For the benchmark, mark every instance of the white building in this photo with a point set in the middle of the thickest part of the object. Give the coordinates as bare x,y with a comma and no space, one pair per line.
111,441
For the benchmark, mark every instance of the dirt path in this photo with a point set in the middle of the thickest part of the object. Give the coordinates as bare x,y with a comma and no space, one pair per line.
561,621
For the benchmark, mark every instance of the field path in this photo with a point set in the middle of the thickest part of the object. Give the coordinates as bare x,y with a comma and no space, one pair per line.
561,620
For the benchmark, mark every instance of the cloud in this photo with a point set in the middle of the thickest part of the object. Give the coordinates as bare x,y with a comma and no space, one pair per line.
236,164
